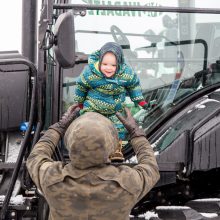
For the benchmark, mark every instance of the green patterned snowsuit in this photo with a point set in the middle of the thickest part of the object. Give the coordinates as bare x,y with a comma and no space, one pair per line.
107,95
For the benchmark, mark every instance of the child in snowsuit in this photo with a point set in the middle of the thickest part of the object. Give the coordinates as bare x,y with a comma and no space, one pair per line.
104,84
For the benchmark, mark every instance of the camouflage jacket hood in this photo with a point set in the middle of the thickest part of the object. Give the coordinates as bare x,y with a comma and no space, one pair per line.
91,145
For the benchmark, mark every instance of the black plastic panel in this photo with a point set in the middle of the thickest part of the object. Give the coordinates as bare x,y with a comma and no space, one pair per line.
13,95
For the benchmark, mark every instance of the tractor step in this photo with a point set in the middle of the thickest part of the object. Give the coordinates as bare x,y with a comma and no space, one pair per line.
211,205
19,206
7,166
178,212
14,201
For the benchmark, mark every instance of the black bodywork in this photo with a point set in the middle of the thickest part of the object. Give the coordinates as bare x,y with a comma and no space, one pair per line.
187,151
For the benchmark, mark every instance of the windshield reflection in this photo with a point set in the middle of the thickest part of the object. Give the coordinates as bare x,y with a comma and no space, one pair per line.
173,54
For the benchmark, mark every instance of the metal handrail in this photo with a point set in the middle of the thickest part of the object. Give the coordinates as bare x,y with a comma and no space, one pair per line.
138,8
18,163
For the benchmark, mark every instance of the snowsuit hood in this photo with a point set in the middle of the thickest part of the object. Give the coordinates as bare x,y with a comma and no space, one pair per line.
91,139
95,58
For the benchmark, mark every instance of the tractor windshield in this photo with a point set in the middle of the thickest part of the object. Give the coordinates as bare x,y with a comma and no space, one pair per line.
174,54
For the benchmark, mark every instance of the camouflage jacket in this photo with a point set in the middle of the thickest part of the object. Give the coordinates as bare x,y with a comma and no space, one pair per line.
91,192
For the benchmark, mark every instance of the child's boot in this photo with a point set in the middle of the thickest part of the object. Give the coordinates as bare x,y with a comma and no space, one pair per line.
118,155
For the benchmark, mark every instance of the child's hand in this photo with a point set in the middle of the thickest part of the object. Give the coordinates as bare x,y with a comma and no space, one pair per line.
150,105
80,105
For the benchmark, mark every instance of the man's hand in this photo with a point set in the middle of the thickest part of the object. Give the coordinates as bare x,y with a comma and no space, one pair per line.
71,114
130,124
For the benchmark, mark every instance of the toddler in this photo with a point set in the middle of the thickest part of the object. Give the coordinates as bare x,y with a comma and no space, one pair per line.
104,84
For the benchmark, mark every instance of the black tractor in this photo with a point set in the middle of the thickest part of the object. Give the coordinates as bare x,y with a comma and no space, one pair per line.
178,64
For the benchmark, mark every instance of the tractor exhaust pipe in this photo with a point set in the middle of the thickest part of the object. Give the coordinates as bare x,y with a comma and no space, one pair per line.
29,29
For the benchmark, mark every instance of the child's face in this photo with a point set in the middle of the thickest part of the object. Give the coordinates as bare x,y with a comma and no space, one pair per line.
108,64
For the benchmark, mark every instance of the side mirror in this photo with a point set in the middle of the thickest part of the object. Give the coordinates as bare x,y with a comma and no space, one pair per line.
64,45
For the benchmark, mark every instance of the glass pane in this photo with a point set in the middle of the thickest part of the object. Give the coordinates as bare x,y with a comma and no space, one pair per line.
173,54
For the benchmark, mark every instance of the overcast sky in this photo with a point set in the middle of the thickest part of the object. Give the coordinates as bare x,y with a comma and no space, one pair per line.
11,17
10,24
